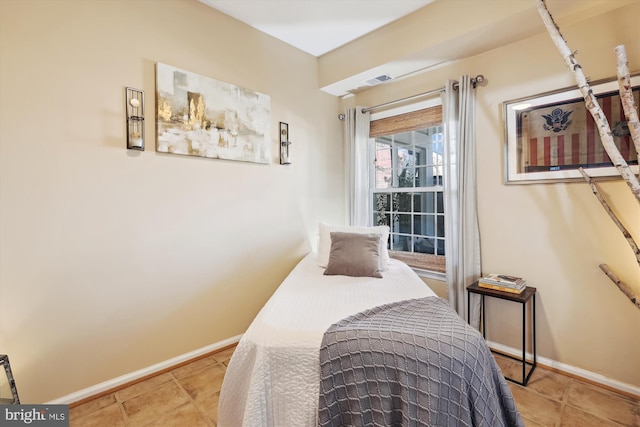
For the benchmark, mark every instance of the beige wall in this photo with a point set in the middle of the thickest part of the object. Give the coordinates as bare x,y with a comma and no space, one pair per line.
554,235
113,260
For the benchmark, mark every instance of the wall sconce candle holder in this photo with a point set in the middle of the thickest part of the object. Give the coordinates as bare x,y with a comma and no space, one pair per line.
285,144
135,119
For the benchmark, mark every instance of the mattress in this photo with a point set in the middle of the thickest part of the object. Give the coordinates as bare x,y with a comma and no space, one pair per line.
273,378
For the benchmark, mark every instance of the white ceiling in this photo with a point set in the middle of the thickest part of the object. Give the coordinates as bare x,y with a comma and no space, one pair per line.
317,26
436,33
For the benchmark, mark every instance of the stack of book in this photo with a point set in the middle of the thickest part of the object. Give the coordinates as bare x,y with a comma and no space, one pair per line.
502,282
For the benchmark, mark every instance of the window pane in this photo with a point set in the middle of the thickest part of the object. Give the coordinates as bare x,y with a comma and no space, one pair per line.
438,171
421,177
381,202
440,226
429,176
405,167
437,159
383,155
406,178
422,141
383,142
437,145
423,202
418,224
424,245
381,219
401,223
383,164
400,243
420,156
424,225
441,250
384,178
404,202
440,202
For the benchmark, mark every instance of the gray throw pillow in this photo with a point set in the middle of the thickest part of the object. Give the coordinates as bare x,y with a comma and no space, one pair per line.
354,254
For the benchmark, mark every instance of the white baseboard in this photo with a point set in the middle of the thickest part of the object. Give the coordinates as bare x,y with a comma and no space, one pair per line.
578,372
127,378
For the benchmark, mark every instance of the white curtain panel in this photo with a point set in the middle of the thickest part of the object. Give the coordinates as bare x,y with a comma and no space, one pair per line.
356,162
462,236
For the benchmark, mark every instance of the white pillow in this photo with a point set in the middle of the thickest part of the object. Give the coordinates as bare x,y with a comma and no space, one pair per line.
324,243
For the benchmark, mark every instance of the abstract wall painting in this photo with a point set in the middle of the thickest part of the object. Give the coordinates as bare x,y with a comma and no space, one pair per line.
203,117
549,136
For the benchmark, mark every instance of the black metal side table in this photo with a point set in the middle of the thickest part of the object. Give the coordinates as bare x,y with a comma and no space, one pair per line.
15,400
528,294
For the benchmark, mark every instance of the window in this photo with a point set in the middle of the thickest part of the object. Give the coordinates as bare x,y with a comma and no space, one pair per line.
406,190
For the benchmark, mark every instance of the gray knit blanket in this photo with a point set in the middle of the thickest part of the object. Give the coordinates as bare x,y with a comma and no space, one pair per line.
411,363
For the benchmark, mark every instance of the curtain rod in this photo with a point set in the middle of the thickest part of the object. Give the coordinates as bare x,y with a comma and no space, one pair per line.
409,98
475,80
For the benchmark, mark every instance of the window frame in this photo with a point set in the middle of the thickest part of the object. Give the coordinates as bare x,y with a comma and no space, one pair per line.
426,265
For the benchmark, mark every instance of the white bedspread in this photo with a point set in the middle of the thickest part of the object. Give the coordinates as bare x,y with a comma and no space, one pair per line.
273,376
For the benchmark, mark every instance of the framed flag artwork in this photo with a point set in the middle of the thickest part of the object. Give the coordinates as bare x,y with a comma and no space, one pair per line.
549,136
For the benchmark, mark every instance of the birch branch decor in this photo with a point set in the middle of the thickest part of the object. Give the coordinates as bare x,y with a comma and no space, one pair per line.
628,105
590,101
620,284
612,215
606,136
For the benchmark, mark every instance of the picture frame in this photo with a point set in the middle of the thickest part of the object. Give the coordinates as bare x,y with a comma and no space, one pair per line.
550,135
203,117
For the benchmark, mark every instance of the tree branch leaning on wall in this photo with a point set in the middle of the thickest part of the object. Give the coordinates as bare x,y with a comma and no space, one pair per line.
604,130
626,289
590,100
626,95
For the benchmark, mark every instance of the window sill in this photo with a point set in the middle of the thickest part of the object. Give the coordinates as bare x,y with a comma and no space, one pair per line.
431,266
430,274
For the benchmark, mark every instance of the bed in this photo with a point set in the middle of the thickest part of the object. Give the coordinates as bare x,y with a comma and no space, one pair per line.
274,377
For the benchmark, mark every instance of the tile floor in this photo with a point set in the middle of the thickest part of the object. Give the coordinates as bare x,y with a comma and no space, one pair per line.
188,397
183,397
553,399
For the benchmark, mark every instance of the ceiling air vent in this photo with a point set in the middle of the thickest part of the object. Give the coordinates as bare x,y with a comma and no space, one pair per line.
377,80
